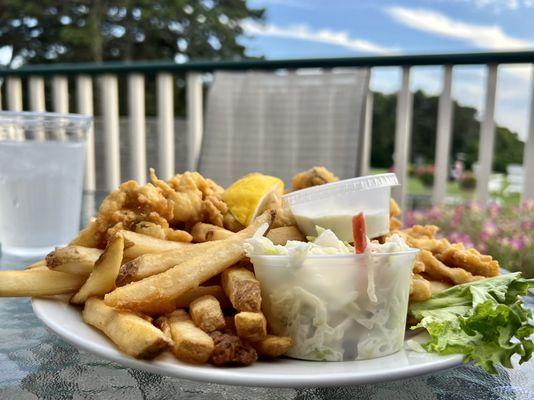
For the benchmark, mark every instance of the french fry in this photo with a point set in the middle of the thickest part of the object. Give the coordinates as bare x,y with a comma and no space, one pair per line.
251,326
203,232
36,264
207,314
77,260
132,334
284,233
193,294
36,282
273,346
242,288
102,278
137,244
173,283
190,344
152,264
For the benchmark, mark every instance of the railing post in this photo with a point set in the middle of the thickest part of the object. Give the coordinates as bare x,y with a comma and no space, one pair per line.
164,84
110,113
403,128
194,119
528,155
84,98
37,93
365,162
60,94
14,93
136,106
37,100
443,138
487,136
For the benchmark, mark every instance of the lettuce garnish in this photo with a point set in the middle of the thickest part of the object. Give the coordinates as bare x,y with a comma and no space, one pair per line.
483,320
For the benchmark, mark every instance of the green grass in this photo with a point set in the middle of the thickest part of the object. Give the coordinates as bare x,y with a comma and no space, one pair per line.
416,187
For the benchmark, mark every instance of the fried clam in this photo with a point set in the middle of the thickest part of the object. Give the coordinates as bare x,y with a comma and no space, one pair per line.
313,177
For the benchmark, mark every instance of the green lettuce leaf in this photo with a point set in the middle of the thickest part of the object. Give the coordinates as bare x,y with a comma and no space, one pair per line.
483,320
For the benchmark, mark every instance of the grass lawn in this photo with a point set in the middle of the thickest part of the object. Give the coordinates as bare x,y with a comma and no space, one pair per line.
416,187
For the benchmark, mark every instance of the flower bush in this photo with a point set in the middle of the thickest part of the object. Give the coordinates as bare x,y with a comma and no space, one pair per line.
468,180
505,232
425,173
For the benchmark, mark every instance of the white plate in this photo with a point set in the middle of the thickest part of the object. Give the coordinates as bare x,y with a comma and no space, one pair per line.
66,321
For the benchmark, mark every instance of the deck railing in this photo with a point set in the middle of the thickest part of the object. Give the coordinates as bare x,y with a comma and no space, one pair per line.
107,74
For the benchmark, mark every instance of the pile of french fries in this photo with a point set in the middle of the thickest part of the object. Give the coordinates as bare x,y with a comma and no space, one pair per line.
201,301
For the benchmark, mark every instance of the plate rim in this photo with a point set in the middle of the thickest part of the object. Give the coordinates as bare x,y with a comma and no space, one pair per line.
231,375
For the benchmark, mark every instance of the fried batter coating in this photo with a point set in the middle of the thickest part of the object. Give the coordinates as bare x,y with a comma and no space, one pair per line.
313,177
394,209
424,243
418,266
435,269
422,231
124,208
394,224
419,288
156,209
194,198
456,255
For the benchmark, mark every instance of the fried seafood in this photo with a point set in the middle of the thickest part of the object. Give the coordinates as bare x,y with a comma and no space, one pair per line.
419,288
194,198
313,177
439,271
471,260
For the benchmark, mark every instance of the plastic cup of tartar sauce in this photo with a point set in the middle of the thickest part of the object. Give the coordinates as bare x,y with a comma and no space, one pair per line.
332,206
337,307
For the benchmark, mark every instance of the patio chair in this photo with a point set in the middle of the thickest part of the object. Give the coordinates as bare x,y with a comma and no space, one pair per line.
281,124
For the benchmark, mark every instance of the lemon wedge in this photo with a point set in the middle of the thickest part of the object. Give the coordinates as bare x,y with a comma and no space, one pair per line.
251,195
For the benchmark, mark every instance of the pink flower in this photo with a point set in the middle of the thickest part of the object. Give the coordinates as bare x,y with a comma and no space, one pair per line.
457,237
475,207
517,244
434,213
489,229
528,205
458,215
494,209
482,247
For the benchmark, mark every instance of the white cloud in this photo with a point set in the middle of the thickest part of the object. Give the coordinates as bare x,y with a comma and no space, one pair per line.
327,36
483,36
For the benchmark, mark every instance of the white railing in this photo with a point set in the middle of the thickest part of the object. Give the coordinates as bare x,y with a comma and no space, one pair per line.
106,78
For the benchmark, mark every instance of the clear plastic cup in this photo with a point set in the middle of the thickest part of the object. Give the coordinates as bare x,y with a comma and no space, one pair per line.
42,159
338,307
332,206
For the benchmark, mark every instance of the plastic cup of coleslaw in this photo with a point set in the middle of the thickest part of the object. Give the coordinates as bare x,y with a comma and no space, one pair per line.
337,307
333,205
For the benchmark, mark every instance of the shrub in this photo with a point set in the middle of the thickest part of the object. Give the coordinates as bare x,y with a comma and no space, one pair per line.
505,232
425,173
468,180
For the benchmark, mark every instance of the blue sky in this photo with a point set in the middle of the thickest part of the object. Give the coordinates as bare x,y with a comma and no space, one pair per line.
313,28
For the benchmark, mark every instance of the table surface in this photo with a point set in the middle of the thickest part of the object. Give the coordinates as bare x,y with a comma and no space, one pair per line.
37,364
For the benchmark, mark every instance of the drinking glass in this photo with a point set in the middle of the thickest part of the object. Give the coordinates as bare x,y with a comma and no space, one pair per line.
42,157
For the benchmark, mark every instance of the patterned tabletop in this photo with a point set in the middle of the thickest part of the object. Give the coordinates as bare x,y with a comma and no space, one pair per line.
36,364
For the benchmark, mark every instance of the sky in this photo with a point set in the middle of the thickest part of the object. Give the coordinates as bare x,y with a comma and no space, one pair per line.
336,28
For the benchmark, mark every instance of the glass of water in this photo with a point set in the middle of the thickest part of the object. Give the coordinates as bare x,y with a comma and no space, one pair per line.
42,158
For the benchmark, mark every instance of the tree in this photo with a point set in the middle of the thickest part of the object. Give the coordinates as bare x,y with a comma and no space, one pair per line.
465,133
44,31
